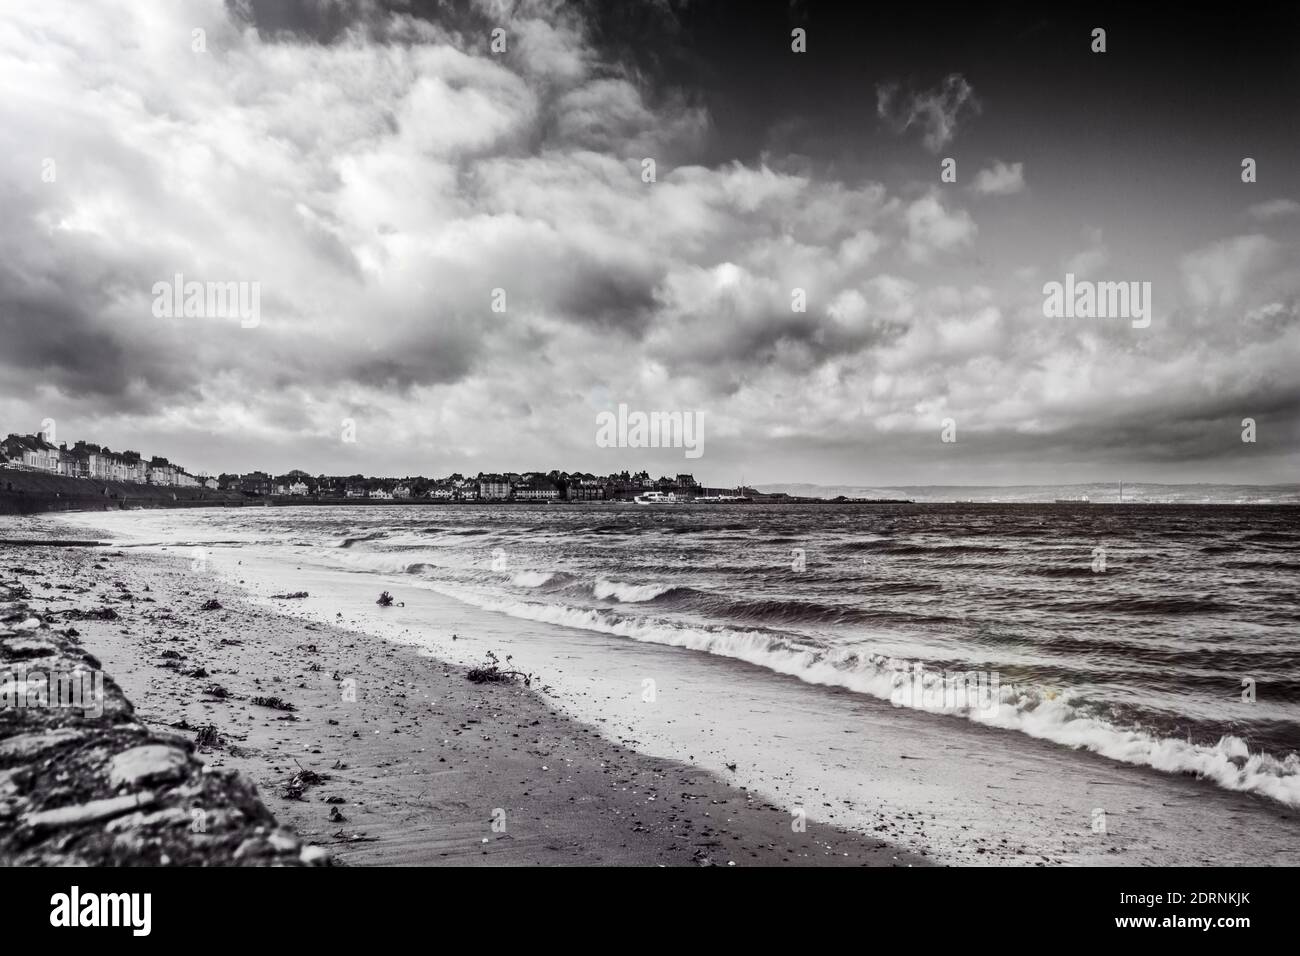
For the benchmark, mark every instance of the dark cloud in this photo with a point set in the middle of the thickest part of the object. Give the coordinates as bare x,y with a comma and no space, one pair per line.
380,173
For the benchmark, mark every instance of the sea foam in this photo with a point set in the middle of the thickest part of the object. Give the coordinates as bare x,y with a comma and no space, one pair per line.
1037,711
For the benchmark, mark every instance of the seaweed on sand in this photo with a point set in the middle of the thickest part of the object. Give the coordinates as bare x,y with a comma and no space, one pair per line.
492,673
300,781
275,703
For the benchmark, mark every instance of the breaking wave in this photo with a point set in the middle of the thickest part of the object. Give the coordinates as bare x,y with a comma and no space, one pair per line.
628,593
1034,710
532,579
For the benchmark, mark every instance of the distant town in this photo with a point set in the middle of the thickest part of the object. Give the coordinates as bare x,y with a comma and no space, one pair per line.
37,453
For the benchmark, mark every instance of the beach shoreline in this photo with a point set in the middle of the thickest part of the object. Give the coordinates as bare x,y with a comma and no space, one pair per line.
391,756
919,787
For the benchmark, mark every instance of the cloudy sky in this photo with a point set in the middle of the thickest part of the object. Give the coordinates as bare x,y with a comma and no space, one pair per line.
379,170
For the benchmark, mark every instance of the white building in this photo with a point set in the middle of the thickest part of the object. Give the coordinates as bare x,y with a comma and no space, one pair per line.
537,491
33,451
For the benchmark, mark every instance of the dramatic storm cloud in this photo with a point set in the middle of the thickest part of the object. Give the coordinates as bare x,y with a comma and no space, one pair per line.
656,222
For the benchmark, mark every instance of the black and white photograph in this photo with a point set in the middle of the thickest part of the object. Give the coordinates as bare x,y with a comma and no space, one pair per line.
651,433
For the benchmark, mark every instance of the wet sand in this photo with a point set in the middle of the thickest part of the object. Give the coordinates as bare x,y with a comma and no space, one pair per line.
948,791
417,764
958,792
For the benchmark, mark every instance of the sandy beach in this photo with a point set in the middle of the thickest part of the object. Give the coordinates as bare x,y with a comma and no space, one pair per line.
361,732
390,756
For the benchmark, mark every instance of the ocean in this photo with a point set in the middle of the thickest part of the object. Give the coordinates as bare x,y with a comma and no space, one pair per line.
1162,636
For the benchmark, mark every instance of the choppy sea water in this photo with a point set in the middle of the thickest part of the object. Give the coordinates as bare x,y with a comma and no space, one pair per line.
1160,635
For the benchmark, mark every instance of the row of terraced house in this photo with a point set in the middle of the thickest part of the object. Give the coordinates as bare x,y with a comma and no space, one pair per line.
575,486
528,486
88,460
532,486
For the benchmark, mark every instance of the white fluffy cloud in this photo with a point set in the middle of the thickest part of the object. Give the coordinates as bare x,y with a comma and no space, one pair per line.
382,185
1217,275
932,227
1000,179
